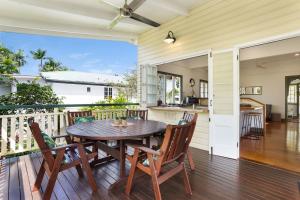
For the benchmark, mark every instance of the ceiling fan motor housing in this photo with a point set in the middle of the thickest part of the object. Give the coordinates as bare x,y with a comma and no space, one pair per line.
125,12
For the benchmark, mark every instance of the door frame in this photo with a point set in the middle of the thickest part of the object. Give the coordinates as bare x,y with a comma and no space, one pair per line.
287,84
207,52
236,66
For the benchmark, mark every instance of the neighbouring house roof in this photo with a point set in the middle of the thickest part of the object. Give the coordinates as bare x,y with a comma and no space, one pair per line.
76,77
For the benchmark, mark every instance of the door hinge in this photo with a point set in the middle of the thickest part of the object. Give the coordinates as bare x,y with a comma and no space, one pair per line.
210,54
211,150
237,145
237,57
208,119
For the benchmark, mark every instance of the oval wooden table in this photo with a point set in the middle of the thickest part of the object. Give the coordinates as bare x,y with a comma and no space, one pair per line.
103,130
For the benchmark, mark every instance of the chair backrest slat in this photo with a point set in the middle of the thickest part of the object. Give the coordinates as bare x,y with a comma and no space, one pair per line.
188,116
73,115
142,114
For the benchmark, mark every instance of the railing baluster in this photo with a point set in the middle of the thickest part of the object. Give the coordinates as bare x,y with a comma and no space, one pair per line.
4,136
21,134
49,124
12,137
28,133
62,126
43,122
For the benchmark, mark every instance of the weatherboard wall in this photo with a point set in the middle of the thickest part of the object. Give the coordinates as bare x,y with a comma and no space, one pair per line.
219,25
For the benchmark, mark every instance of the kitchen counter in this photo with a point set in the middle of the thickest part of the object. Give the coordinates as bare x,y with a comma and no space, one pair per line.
198,109
172,115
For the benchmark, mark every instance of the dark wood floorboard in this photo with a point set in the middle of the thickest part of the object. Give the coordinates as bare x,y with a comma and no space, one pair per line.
214,178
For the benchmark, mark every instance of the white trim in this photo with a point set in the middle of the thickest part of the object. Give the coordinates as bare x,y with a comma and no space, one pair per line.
236,97
186,56
222,51
210,101
267,40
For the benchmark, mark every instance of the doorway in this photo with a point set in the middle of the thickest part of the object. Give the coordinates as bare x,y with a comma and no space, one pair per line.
269,76
292,87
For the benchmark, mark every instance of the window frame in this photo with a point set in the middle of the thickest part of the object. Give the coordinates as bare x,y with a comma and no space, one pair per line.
205,91
88,89
108,92
181,84
292,99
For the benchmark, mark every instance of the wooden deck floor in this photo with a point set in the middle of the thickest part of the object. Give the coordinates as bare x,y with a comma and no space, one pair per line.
214,178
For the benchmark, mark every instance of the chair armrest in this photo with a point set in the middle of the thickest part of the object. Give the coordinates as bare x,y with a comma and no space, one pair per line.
59,136
64,147
146,149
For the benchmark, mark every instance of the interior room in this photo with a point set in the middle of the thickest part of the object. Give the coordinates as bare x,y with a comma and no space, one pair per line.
183,86
269,104
184,82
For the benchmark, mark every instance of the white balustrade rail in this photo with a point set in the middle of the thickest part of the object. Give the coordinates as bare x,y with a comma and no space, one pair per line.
16,136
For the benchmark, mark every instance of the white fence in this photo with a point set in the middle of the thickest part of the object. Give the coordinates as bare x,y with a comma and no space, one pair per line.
16,135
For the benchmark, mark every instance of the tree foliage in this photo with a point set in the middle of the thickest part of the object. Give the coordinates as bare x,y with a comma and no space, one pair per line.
40,55
29,94
129,88
119,99
52,65
10,62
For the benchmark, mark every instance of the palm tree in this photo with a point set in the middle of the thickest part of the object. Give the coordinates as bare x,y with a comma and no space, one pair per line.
52,65
39,54
20,58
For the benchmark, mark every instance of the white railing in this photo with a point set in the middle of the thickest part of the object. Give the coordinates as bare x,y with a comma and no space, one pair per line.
16,136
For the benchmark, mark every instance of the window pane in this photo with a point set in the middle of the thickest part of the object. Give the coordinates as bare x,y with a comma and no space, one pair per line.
169,89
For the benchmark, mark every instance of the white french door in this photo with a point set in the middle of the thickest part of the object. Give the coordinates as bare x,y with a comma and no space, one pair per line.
223,74
148,85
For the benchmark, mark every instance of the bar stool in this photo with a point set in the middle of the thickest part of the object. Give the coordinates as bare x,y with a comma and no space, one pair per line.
252,127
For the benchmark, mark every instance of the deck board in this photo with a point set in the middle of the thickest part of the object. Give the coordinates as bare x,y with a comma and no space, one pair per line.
214,178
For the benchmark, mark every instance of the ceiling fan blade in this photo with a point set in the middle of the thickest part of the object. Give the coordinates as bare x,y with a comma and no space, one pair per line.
110,4
135,4
144,20
115,21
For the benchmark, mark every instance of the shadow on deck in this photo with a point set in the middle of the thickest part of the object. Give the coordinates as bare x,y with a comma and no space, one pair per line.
214,178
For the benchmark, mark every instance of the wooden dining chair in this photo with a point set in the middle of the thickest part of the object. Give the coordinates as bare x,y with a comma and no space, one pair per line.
60,158
139,114
188,117
173,150
71,115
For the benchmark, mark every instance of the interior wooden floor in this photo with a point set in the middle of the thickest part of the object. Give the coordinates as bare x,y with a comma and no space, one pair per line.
280,147
214,178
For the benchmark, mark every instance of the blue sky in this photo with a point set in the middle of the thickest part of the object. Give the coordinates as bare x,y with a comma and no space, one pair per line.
88,55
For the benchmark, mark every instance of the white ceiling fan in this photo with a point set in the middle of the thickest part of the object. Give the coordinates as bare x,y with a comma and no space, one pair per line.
127,11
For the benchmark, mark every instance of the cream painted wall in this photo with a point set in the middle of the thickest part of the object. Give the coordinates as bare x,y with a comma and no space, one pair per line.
220,24
271,78
187,74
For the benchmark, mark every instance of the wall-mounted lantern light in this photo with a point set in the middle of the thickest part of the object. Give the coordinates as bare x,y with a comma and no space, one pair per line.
170,38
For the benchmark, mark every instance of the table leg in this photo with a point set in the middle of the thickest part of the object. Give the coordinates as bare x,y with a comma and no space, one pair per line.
148,141
122,159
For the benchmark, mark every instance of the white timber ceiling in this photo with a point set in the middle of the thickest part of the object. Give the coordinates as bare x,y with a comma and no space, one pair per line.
86,18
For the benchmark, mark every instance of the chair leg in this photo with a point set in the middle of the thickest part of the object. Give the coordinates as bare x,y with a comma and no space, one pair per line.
186,181
132,172
154,178
79,171
190,159
39,178
54,173
87,168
